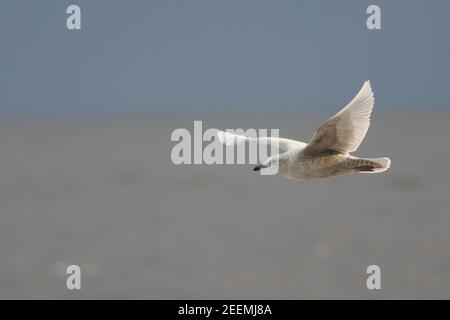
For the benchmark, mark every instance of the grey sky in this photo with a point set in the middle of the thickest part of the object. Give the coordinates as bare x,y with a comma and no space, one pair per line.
208,54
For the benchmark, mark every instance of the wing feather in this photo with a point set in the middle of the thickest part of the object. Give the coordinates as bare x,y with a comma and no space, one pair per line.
344,131
282,144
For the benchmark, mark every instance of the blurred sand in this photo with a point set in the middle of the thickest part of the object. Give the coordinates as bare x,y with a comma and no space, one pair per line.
105,195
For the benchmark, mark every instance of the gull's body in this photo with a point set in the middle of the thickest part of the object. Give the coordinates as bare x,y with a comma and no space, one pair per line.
328,152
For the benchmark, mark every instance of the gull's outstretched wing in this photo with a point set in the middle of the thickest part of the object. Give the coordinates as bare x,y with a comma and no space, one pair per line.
284,145
344,131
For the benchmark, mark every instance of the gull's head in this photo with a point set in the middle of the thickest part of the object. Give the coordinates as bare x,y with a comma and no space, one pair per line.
273,165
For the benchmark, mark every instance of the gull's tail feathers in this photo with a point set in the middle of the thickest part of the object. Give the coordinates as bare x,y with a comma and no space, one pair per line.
371,165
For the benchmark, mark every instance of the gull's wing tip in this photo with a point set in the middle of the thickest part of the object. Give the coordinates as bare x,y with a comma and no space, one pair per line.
230,139
367,85
367,91
222,136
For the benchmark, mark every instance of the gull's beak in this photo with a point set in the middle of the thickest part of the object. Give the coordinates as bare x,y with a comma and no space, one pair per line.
259,167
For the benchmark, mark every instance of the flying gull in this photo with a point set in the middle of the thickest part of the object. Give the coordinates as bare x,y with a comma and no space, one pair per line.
328,152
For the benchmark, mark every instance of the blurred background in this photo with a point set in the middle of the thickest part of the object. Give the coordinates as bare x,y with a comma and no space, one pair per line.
86,176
